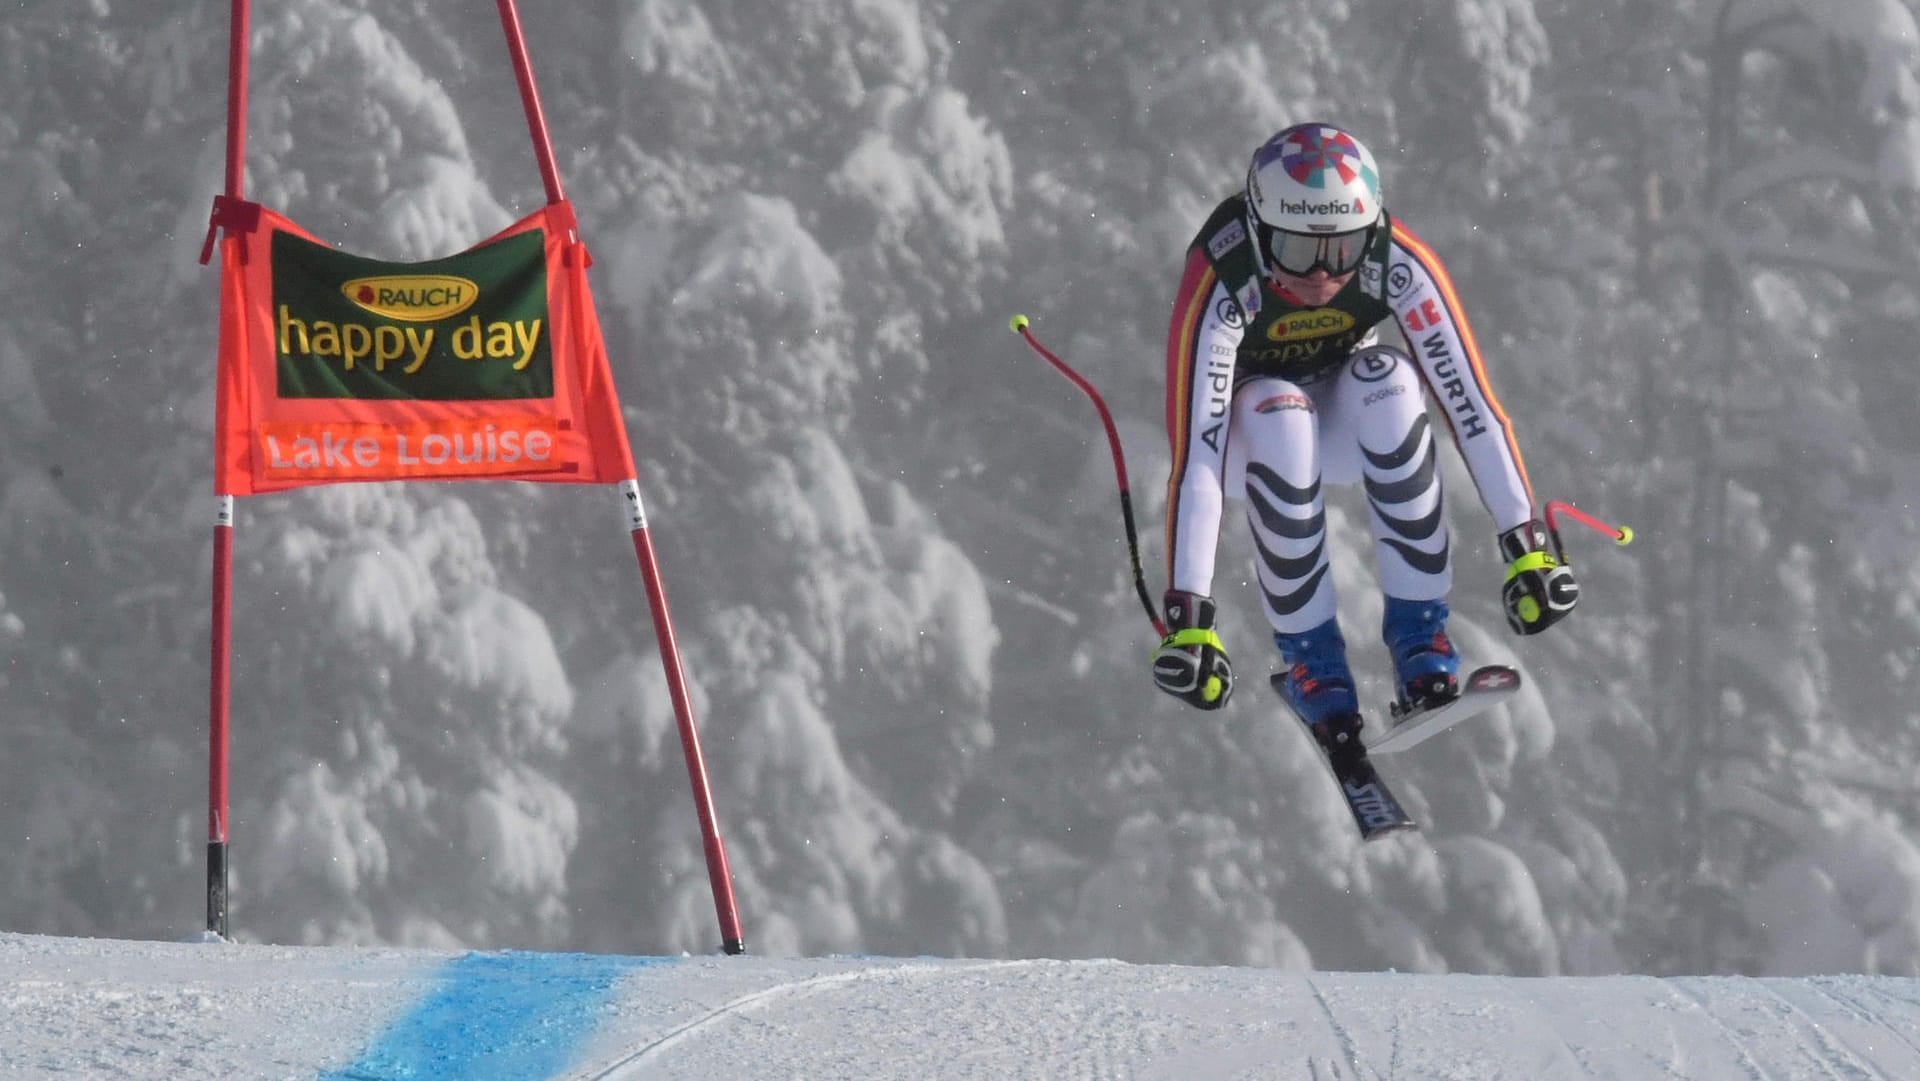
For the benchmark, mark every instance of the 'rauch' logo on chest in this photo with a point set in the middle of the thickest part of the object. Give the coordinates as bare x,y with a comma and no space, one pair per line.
1313,323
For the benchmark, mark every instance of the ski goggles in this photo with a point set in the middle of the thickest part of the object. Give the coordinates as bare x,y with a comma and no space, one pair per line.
1300,254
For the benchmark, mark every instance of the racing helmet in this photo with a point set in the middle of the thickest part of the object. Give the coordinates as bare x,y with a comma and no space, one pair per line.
1313,200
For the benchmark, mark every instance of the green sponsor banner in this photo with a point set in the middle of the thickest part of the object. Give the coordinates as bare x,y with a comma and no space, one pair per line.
470,327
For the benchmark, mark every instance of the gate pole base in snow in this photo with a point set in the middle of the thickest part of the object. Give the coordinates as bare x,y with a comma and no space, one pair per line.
718,876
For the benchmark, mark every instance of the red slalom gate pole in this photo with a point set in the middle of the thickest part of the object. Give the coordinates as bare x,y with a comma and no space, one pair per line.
718,877
220,667
219,700
530,101
238,40
1018,324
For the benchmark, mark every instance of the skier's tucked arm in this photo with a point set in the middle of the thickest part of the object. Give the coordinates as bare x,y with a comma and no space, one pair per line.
1429,313
1201,343
1191,663
1538,590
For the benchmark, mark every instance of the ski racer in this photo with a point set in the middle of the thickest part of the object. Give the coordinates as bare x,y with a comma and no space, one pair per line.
1277,383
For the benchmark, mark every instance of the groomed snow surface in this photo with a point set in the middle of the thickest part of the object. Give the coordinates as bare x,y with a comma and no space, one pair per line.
83,1008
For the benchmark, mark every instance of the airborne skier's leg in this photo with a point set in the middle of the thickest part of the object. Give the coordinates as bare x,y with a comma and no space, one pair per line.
1275,460
1378,432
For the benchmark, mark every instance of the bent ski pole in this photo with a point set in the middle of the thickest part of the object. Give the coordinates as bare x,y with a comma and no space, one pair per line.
1018,324
1622,535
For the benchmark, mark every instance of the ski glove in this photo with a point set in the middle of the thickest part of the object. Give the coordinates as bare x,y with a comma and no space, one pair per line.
1540,589
1191,664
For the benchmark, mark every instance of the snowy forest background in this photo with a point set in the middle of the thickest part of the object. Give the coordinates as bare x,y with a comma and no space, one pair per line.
1685,232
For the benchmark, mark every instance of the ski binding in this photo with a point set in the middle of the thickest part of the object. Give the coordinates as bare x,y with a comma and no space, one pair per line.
1486,688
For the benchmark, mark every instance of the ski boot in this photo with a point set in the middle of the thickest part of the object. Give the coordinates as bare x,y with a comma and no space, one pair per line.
1318,687
1425,666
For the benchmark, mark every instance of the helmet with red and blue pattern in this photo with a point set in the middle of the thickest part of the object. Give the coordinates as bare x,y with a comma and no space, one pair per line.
1313,199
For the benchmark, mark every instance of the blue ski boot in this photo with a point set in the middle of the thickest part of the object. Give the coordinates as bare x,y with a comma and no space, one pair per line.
1317,684
1425,666
1318,687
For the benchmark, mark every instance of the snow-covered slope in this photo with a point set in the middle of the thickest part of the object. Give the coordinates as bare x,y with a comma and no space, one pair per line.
121,1009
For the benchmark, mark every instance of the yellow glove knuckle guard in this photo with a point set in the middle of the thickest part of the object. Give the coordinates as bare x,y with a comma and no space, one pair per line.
1532,561
1193,636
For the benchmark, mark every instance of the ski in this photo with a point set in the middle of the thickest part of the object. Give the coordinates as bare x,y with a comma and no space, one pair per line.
1485,688
1376,811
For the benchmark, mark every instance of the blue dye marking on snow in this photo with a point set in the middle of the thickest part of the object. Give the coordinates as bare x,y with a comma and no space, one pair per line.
496,1017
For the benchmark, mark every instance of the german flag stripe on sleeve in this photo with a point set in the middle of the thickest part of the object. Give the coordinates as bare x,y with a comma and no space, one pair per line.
1189,312
1457,312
